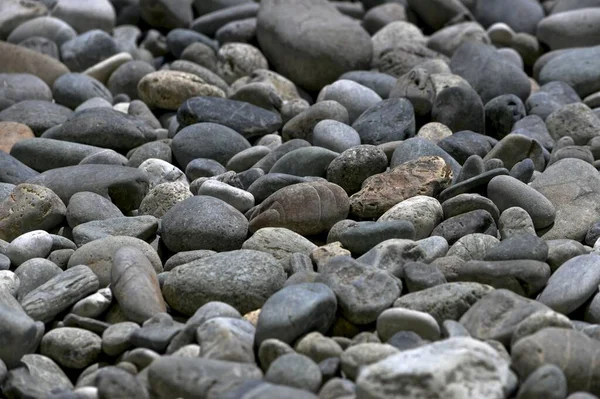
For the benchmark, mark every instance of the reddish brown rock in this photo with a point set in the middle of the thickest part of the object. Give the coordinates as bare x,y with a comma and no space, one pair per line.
12,132
423,176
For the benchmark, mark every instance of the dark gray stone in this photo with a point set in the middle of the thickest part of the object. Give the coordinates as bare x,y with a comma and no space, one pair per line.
363,236
14,171
37,114
156,332
267,162
417,147
73,89
477,221
44,154
17,87
143,227
126,77
307,161
519,246
390,120
20,335
87,49
87,206
352,167
209,23
461,145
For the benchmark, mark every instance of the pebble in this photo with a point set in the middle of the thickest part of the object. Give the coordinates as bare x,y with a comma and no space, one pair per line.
424,212
361,355
295,370
353,166
20,333
71,347
398,119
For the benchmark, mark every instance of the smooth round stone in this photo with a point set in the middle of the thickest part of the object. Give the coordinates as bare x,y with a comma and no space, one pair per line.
98,255
95,102
16,12
358,356
381,15
51,28
269,183
362,236
294,311
573,28
207,140
306,208
86,15
94,305
17,87
538,321
126,77
523,171
296,371
508,192
244,279
576,120
244,160
318,347
239,199
33,273
561,294
473,246
38,115
352,167
464,144
514,221
519,246
449,38
71,347
35,244
240,31
560,68
307,161
30,207
87,49
380,83
425,213
73,89
236,60
279,26
216,225
433,247
335,136
270,349
87,206
302,125
473,60
478,221
514,148
389,120
204,73
547,381
394,320
203,167
355,97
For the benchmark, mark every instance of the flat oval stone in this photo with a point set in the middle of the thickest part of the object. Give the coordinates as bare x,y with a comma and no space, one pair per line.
573,28
86,206
214,225
301,126
134,284
244,279
39,115
306,208
35,244
583,78
126,77
74,89
572,283
363,236
519,246
294,311
464,203
71,347
575,120
104,127
86,14
30,207
279,26
18,87
207,140
307,161
49,27
125,186
333,135
397,319
20,60
355,97
508,192
170,89
478,221
98,255
44,154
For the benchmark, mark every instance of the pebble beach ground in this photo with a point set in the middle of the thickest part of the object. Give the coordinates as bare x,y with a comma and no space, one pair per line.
299,199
